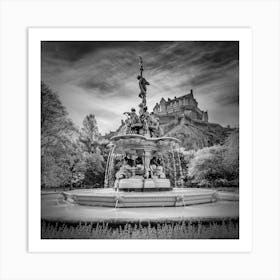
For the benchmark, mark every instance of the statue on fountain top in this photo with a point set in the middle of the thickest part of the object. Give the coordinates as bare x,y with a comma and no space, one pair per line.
142,83
143,89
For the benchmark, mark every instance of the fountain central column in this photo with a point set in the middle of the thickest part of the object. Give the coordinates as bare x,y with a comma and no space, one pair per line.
147,160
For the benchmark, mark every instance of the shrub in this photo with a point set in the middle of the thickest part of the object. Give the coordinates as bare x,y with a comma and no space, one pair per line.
218,183
207,164
234,183
216,166
204,184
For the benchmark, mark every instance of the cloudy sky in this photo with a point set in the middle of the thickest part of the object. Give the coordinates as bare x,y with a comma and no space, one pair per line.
100,77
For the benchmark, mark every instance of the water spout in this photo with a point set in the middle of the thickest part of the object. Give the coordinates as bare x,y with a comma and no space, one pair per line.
180,166
174,166
163,163
108,166
111,167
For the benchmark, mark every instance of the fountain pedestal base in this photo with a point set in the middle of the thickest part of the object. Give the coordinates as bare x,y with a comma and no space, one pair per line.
143,184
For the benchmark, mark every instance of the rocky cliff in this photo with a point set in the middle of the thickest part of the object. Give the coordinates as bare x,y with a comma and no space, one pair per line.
192,134
196,134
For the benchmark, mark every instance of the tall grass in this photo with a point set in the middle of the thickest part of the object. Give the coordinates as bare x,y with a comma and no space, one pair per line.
180,230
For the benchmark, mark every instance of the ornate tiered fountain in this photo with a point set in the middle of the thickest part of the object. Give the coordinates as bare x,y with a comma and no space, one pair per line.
143,168
143,154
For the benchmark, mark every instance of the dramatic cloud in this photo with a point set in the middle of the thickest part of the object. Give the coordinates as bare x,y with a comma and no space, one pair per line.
100,77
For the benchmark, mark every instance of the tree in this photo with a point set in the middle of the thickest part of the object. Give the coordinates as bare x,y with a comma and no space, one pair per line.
94,148
56,126
95,170
90,135
231,158
58,140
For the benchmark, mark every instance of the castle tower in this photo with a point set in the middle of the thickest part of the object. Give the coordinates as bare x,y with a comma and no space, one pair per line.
205,116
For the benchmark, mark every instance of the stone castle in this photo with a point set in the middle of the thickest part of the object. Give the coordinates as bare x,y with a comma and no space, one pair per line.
183,106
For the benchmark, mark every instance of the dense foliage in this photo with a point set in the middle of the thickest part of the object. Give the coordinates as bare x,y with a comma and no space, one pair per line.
215,166
69,157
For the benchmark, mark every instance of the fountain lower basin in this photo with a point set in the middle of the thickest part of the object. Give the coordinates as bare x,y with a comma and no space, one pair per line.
121,199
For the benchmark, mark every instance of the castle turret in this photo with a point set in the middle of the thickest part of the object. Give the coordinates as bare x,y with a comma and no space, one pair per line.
191,93
156,108
205,116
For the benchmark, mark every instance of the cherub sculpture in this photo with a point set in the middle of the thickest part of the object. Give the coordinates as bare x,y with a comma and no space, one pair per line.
125,170
133,123
153,124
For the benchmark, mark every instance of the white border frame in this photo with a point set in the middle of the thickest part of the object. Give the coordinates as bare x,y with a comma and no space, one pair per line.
243,35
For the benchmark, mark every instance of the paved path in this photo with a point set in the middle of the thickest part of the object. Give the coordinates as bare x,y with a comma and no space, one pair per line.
54,208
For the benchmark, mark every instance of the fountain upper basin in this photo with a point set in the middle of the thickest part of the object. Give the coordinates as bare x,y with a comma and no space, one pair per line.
136,141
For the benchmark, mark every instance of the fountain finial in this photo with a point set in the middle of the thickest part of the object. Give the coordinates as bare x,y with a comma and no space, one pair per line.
142,83
141,65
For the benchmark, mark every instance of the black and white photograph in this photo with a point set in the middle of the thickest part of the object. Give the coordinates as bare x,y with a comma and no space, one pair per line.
140,139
